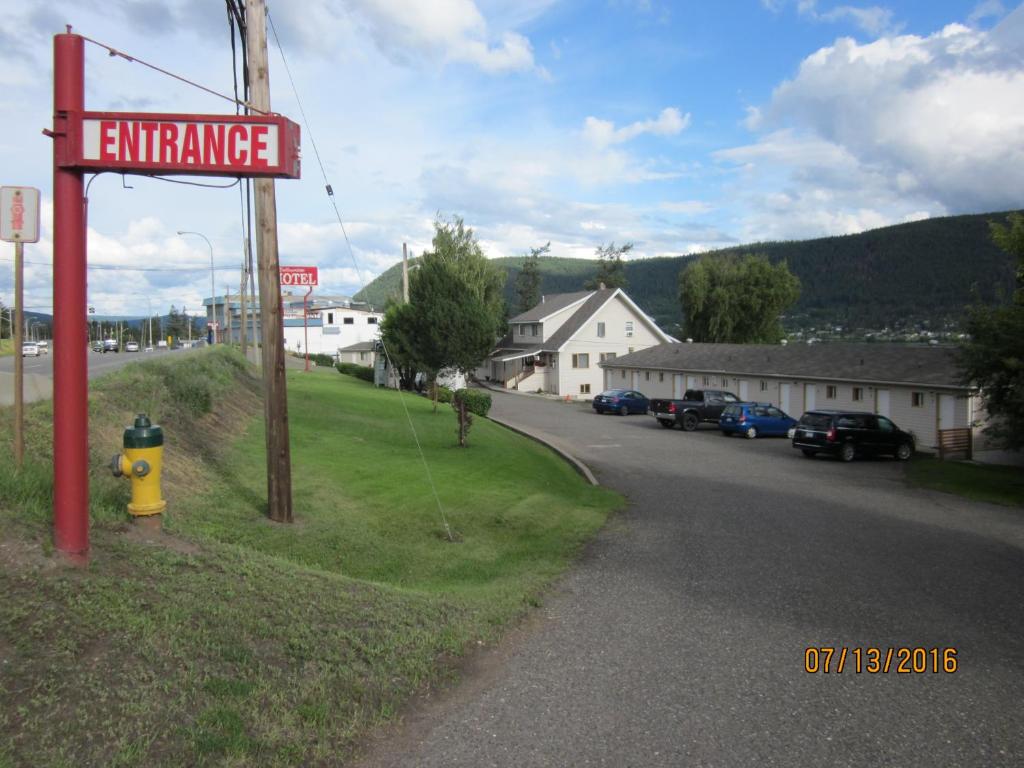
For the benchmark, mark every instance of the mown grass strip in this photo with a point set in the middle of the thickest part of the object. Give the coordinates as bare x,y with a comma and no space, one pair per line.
980,482
242,642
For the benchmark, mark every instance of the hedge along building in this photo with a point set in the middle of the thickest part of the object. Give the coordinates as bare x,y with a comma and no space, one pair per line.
917,387
556,346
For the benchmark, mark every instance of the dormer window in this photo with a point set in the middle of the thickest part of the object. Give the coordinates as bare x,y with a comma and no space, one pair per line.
629,328
600,330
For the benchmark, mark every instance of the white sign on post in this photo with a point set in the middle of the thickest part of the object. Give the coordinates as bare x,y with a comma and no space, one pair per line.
19,214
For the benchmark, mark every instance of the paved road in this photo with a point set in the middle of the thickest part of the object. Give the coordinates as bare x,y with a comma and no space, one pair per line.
679,640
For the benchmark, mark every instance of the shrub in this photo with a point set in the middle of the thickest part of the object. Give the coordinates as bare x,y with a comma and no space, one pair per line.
363,372
476,401
444,395
325,361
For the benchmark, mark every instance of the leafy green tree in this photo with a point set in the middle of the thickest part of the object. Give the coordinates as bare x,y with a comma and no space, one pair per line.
736,300
993,358
456,306
528,279
610,268
398,332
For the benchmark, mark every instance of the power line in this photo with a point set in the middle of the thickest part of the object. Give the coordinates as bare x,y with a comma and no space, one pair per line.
122,267
359,274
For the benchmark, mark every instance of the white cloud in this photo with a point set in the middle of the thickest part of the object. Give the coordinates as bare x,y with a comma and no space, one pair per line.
603,133
874,19
899,125
687,207
985,10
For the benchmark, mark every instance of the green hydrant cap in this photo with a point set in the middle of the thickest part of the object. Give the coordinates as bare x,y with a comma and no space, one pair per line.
144,434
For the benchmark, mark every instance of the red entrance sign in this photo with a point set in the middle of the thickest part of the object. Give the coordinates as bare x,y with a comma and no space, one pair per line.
218,145
306,277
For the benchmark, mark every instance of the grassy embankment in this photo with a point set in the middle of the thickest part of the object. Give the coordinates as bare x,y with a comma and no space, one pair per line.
232,640
980,482
6,347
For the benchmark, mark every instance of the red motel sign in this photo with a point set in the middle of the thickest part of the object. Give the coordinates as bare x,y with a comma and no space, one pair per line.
208,145
306,277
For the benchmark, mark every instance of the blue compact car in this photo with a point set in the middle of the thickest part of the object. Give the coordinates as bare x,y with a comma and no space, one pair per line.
754,419
620,401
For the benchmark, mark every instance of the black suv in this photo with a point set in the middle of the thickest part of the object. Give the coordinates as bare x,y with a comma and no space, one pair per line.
847,434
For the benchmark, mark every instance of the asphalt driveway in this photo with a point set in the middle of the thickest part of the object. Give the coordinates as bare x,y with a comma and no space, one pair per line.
680,638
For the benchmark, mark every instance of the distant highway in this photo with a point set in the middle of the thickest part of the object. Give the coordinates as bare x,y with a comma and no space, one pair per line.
39,371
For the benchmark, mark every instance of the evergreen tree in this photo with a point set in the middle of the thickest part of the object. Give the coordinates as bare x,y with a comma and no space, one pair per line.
610,269
528,279
993,358
736,300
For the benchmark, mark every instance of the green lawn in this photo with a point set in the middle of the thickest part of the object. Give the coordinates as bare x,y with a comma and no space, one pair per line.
981,482
6,347
237,641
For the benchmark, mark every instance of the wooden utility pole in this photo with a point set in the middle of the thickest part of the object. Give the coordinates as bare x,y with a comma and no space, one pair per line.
19,359
243,317
275,387
405,274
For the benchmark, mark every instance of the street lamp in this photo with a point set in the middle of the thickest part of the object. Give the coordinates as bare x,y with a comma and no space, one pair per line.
213,295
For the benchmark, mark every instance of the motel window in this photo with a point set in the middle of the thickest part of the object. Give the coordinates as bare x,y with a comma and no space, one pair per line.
831,391
362,355
349,321
917,399
623,374
858,394
600,330
371,320
661,377
629,329
330,318
581,360
764,386
584,389
707,381
647,375
607,356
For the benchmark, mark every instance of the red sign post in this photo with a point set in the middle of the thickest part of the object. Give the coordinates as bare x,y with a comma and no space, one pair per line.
232,145
308,276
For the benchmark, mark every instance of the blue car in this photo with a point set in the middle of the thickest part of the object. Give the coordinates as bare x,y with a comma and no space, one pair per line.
620,401
753,419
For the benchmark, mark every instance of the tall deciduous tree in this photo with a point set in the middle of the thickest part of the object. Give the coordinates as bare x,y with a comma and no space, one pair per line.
456,306
610,268
398,332
528,279
993,358
736,300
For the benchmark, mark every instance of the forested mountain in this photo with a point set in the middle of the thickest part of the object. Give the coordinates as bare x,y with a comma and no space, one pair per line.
922,271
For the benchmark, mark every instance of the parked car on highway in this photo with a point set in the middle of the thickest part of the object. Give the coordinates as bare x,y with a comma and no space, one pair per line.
131,346
97,346
755,419
30,349
44,346
848,434
697,405
620,401
111,345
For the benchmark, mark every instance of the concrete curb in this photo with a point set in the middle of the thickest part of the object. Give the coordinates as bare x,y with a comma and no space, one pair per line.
576,464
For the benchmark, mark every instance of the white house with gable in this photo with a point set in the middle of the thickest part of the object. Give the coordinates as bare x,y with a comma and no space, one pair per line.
556,346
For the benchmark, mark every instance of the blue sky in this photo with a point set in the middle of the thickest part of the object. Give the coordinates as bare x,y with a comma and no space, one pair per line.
678,126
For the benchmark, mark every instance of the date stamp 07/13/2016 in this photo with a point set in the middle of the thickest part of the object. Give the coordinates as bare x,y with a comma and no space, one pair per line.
903,661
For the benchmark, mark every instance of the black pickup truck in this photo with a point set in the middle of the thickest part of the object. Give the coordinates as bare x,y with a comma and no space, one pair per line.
697,405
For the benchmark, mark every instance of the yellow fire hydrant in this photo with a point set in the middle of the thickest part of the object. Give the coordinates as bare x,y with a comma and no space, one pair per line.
142,460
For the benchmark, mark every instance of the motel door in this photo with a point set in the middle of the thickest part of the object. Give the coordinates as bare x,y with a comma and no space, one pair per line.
809,392
947,411
677,387
882,402
784,398
744,389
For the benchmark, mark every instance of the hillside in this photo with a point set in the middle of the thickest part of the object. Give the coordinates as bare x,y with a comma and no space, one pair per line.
922,271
